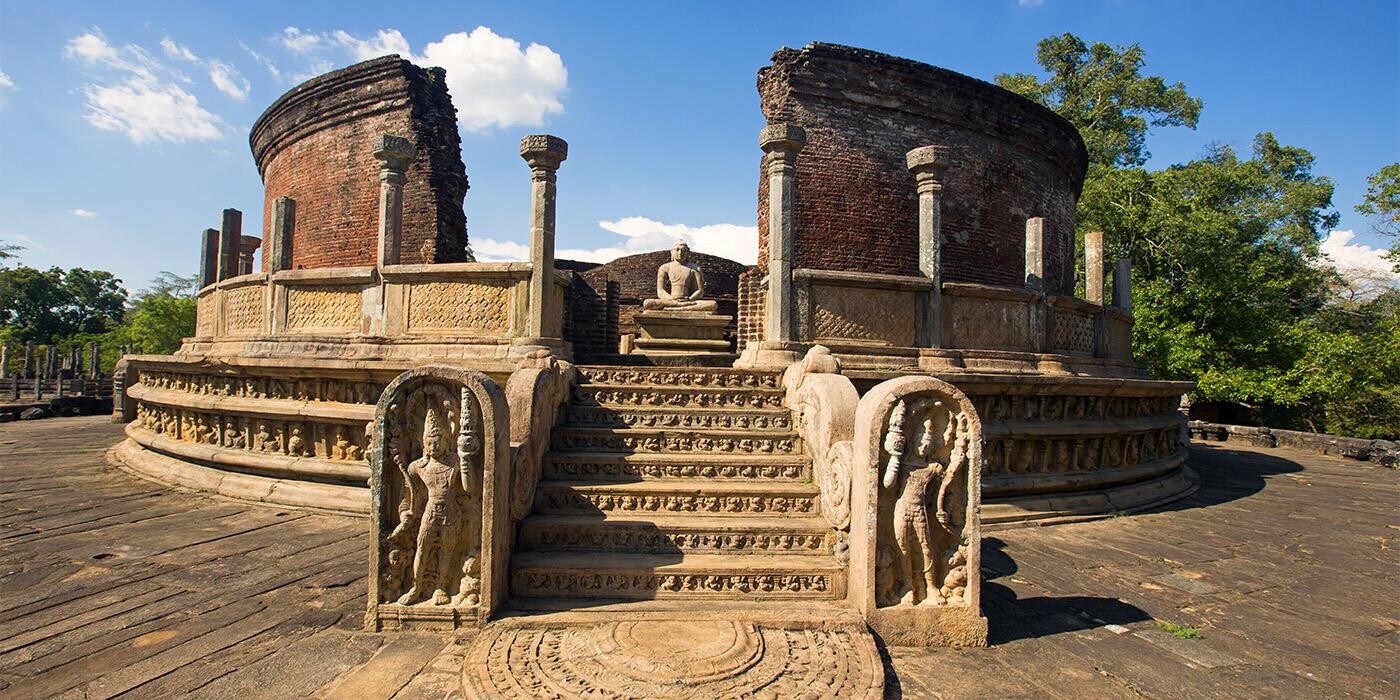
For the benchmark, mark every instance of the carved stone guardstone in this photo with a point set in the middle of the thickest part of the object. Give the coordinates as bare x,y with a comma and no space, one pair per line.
439,481
915,523
679,321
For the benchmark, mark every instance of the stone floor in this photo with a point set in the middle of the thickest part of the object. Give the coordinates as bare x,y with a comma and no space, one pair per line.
1283,563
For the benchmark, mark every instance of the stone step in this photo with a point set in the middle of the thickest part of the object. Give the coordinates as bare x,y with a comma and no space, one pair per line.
770,419
623,532
659,576
709,377
683,442
635,395
721,499
613,466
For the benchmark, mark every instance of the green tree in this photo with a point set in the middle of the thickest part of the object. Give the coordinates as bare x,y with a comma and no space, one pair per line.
158,319
1101,90
32,304
1382,203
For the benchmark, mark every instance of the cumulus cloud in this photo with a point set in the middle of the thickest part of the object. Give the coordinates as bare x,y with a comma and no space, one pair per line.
83,213
5,84
640,235
1364,269
140,101
494,81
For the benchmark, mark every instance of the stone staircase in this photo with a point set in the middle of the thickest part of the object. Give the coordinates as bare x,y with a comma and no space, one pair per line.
675,483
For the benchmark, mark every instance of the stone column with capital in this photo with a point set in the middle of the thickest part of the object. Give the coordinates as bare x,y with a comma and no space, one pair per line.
781,143
544,154
929,164
395,154
230,244
247,247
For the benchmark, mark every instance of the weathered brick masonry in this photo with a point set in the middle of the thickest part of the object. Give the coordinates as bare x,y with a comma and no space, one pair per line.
856,203
313,145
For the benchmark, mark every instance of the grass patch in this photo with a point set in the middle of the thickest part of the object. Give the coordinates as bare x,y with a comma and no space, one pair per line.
1179,631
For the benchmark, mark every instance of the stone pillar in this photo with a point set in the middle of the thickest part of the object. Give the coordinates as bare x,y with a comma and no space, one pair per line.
28,360
1035,281
781,143
94,361
4,360
929,164
75,360
51,361
39,373
278,254
1093,266
544,153
395,154
209,258
230,244
247,247
1123,284
1035,254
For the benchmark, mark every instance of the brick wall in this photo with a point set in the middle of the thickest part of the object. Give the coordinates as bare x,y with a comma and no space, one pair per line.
856,203
314,145
752,301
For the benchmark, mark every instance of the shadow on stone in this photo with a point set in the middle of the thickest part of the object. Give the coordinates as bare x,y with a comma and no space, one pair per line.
1227,475
1010,618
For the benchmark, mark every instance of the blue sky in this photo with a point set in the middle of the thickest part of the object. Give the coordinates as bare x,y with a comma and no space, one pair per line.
123,126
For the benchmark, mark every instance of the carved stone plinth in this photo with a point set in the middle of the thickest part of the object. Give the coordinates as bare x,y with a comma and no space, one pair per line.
680,333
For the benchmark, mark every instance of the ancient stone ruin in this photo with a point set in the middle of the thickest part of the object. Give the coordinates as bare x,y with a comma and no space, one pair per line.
713,486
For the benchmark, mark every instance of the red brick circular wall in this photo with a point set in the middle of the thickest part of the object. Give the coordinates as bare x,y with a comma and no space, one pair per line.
856,204
314,145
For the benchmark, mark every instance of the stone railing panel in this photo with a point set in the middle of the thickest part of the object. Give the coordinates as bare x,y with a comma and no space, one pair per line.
988,318
323,309
1118,329
207,313
1072,326
245,308
858,308
465,308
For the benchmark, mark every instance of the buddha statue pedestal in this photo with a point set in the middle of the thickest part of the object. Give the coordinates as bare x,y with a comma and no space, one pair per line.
679,325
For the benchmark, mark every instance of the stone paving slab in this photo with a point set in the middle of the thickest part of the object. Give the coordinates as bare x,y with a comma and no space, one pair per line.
1283,563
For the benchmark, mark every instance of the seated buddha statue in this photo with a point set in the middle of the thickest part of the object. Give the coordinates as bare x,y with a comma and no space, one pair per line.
680,286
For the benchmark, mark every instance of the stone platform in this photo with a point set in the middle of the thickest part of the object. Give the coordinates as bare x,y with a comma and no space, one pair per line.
1282,561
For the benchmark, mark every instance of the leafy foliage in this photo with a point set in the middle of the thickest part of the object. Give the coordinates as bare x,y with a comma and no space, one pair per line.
1229,286
44,306
1382,203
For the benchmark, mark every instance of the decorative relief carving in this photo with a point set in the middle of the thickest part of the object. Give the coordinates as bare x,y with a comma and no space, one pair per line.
323,309
824,404
607,502
459,306
1072,333
329,389
651,540
1079,453
867,314
244,310
663,377
929,448
440,450
562,467
1005,407
664,441
672,659
677,398
604,416
536,390
206,309
573,582
305,438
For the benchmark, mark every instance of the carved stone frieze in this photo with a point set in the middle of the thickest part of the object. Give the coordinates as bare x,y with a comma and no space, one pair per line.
565,500
665,441
567,583
336,441
329,389
459,307
244,310
1079,453
675,397
335,308
665,377
622,418
563,467
653,540
1052,407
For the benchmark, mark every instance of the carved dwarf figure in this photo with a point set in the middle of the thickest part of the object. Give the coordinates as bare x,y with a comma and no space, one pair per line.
435,511
680,285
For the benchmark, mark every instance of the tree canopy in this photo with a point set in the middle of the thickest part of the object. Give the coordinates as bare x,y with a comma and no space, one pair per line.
1229,285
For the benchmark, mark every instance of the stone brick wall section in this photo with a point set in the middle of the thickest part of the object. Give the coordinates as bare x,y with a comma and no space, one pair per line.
856,201
1383,452
752,302
313,145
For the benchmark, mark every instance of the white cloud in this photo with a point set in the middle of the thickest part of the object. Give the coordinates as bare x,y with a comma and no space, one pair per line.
640,235
494,81
496,84
5,84
223,75
1030,3
140,103
297,41
23,241
83,213
383,43
177,51
1364,269
264,61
